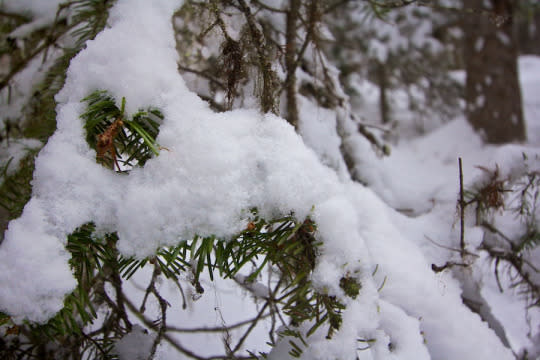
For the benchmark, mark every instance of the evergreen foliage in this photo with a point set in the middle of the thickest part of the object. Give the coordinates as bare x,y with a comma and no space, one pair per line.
111,134
517,194
284,246
15,189
37,116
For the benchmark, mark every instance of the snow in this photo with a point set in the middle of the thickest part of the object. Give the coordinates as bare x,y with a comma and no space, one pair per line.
15,151
22,89
403,332
214,167
34,268
530,83
27,29
42,8
136,345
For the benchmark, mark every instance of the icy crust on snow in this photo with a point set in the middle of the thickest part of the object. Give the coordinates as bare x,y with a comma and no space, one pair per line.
214,168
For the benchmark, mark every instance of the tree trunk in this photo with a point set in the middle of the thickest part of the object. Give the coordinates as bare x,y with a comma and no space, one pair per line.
493,93
384,106
290,61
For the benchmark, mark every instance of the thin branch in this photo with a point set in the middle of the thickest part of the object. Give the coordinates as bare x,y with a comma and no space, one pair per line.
392,5
332,7
447,265
494,230
461,210
14,16
251,327
21,65
213,104
268,100
259,316
450,248
117,284
362,129
150,287
517,263
173,342
93,341
497,277
267,7
273,310
204,75
177,283
163,304
215,328
374,126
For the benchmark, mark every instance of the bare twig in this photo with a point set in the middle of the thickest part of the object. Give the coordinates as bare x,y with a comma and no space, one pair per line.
392,5
14,16
259,316
150,286
163,304
333,6
450,248
205,75
251,327
517,263
116,281
494,230
447,265
362,129
461,210
215,328
170,340
267,7
268,100
21,65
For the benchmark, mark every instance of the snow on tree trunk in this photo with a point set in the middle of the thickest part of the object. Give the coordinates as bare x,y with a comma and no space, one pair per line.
493,93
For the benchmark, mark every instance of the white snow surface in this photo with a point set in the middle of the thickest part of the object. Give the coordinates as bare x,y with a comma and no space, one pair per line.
214,168
136,345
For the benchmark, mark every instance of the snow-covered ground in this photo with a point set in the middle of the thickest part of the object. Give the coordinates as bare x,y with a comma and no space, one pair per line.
421,178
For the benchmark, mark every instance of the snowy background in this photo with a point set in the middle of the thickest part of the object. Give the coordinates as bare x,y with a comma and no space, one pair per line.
389,231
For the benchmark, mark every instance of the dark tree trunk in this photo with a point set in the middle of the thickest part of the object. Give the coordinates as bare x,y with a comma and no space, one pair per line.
293,15
493,93
384,106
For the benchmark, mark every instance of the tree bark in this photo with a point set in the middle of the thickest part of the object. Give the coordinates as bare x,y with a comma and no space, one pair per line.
493,94
291,61
384,106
